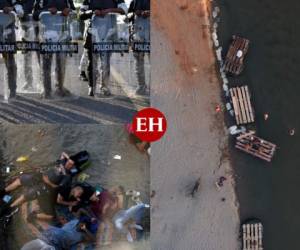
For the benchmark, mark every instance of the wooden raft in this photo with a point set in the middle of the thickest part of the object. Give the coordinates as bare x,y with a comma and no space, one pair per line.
242,105
233,63
253,145
252,236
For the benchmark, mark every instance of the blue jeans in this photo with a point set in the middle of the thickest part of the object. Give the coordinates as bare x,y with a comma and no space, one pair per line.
135,213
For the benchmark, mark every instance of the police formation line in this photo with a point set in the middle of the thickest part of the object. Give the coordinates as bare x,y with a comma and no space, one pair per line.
52,39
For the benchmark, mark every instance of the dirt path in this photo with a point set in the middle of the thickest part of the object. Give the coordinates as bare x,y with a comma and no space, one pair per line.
185,87
78,108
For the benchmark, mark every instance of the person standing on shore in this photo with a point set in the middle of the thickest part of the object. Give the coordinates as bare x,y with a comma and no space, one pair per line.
141,14
99,8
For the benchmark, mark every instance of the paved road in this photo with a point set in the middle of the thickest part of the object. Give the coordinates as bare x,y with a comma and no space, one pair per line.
79,108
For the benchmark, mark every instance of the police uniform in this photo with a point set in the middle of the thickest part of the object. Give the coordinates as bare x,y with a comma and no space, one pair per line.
9,58
135,6
30,32
60,58
84,57
87,9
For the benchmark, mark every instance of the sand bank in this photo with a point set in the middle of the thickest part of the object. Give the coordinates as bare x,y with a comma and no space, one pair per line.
186,88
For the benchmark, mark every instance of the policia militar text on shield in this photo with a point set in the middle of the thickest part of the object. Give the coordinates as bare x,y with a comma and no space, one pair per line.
99,8
8,10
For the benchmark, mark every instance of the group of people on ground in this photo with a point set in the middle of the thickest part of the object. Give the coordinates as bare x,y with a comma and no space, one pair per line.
138,9
79,213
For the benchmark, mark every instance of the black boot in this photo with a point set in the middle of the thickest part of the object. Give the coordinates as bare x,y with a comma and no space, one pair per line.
28,86
47,95
141,90
91,91
83,76
12,94
105,91
62,92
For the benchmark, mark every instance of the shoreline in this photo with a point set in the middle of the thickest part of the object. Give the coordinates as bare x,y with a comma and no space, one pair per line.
215,19
187,90
267,190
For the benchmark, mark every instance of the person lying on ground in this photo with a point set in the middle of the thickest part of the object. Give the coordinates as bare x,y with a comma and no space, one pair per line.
128,221
94,223
67,199
48,200
108,204
73,197
66,237
107,199
142,146
41,183
36,185
46,207
74,164
101,209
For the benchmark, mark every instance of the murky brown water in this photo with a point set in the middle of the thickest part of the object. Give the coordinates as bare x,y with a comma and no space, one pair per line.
269,191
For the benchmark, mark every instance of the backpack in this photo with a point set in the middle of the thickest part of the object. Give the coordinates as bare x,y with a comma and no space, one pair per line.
82,160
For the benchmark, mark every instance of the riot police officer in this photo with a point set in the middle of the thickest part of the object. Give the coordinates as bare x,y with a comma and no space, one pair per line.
30,33
140,10
46,59
8,6
84,57
99,8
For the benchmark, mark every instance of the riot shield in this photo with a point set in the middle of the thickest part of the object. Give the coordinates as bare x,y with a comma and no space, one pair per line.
109,34
28,57
56,36
141,34
110,45
7,54
140,44
57,29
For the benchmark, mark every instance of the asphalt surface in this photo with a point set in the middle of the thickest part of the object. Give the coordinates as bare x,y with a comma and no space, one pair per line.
78,108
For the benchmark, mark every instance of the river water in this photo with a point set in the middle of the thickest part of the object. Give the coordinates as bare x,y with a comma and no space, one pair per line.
269,191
